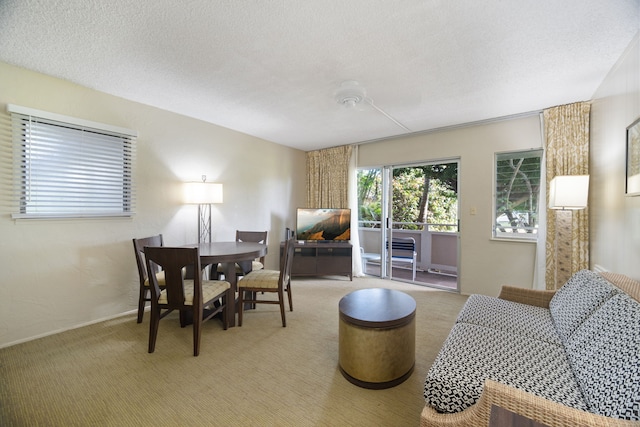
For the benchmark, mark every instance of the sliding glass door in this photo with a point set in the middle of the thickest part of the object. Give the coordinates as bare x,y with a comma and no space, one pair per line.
372,212
408,222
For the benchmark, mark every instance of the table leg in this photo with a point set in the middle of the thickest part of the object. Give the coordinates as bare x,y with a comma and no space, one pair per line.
230,276
229,269
246,266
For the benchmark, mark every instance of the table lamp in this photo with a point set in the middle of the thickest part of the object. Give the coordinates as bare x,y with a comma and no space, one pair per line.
567,193
203,194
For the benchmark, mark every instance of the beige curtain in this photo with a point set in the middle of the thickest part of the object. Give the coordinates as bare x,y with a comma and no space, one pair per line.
328,177
567,153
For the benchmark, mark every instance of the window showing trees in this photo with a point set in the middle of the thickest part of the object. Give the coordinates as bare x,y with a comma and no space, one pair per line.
370,197
424,197
517,193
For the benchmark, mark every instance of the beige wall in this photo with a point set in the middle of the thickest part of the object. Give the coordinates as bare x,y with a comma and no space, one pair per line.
485,264
61,274
64,273
615,218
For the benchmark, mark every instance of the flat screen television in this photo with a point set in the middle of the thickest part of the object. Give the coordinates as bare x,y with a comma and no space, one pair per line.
323,224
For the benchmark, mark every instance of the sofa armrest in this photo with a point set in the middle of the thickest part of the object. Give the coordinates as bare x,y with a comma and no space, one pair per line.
534,297
526,404
625,283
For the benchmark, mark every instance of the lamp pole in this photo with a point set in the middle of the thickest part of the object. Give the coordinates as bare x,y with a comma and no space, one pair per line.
204,223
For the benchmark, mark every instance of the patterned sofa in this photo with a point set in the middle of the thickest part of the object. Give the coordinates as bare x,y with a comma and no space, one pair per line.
563,358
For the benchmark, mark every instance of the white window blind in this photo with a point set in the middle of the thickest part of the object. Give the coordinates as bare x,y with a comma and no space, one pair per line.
70,168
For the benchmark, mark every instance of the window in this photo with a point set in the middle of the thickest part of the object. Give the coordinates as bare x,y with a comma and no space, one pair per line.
70,168
517,194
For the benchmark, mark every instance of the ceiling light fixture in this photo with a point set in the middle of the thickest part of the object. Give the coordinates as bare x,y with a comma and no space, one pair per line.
350,94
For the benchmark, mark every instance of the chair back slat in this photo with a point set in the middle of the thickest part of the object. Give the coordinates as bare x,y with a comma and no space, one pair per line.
254,237
173,261
403,247
251,236
138,247
287,263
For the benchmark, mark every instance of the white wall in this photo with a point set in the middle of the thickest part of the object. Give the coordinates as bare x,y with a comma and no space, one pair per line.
485,264
58,274
615,218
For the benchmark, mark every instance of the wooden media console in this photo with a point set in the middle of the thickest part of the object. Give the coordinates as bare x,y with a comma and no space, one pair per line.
312,258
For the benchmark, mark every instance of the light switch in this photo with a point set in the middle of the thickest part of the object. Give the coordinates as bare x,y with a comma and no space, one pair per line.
473,211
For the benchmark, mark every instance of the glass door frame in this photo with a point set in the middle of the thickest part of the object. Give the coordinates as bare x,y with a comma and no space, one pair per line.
386,220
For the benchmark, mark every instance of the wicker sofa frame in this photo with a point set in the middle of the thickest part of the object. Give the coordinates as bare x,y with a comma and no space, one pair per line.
527,404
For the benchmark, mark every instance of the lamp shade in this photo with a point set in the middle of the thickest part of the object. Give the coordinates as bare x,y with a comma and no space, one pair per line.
569,192
202,193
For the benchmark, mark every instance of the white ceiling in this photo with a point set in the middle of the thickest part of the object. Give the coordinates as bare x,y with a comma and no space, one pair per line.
272,68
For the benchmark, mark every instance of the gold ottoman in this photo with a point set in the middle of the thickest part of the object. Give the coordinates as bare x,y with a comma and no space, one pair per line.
377,337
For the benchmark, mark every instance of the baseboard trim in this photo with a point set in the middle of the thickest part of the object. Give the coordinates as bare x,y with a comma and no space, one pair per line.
115,316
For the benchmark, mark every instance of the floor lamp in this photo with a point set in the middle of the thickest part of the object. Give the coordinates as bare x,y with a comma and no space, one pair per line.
567,193
203,194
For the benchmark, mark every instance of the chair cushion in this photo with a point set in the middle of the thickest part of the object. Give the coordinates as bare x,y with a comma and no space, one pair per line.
159,277
255,265
471,354
264,279
524,319
583,293
210,290
605,354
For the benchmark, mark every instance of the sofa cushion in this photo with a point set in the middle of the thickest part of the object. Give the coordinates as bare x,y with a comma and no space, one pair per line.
473,353
605,355
524,319
583,293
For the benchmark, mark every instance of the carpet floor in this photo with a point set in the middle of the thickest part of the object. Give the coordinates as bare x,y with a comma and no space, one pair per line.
260,374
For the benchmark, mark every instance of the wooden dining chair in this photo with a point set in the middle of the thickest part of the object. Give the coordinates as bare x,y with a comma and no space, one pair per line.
265,282
145,292
197,300
248,236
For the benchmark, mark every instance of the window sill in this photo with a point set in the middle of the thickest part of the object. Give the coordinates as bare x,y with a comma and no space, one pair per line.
30,217
514,239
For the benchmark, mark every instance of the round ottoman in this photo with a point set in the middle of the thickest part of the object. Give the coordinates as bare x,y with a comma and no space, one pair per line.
377,337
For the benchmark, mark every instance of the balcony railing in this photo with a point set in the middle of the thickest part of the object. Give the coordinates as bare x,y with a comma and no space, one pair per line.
428,226
436,244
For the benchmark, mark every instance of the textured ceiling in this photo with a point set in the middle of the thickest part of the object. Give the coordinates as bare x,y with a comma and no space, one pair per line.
272,68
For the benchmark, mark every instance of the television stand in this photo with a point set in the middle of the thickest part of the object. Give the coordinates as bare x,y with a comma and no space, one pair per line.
321,258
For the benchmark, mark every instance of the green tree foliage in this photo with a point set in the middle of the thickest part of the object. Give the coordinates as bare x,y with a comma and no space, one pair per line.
518,182
408,189
425,194
370,196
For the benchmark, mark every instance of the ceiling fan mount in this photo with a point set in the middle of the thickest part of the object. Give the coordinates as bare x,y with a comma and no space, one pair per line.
350,94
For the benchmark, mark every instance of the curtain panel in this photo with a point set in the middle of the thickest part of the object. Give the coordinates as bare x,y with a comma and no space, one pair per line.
328,177
567,153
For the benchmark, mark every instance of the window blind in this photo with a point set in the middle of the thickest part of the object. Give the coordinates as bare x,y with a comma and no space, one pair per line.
70,168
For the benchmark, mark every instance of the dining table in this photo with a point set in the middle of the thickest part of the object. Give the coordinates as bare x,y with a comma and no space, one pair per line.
228,254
